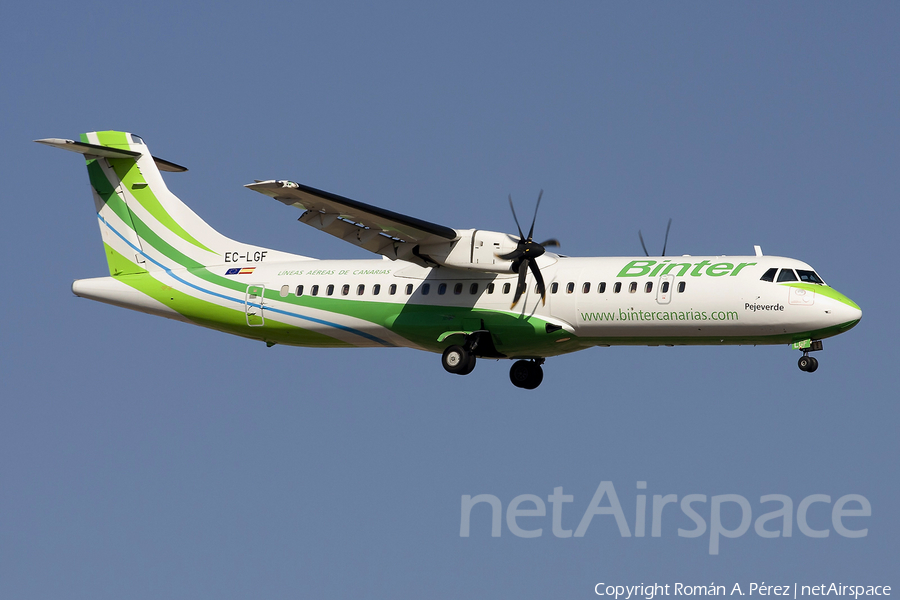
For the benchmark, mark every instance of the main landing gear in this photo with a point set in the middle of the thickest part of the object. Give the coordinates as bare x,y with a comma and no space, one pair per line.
527,374
458,360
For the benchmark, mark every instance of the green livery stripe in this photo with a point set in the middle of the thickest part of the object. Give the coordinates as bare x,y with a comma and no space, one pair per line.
718,340
130,175
826,291
228,320
274,331
127,171
424,324
118,264
107,192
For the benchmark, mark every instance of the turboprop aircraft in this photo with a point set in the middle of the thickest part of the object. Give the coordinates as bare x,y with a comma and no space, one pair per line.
461,293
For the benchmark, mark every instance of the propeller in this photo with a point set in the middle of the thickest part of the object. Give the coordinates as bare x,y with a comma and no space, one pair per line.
523,257
665,242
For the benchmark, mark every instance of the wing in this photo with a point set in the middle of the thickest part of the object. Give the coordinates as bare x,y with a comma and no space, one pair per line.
375,229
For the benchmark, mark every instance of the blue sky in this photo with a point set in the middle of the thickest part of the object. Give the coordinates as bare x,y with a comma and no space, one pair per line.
145,458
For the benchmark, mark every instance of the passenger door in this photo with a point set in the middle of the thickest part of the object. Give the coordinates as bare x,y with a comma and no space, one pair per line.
254,302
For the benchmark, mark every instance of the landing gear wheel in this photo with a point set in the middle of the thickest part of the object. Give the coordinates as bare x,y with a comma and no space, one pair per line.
526,374
470,365
537,376
808,363
458,360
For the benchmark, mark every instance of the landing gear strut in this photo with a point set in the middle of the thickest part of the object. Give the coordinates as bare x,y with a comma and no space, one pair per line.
527,374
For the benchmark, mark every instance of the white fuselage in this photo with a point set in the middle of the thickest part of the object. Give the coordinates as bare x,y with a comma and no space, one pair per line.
599,301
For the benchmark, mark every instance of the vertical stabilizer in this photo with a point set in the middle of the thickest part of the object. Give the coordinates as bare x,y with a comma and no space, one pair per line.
144,226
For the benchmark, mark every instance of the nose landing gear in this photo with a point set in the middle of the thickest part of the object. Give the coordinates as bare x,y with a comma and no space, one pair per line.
808,363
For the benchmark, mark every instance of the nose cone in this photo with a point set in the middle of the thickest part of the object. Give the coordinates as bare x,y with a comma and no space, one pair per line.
847,313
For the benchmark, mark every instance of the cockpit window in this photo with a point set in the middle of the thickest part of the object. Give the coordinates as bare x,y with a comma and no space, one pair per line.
809,277
786,275
136,139
769,275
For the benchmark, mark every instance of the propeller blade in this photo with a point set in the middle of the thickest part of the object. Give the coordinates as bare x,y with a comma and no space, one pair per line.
666,241
534,218
540,280
510,255
515,218
550,242
520,286
644,246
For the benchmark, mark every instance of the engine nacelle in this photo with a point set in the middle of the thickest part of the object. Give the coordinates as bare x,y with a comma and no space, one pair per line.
475,250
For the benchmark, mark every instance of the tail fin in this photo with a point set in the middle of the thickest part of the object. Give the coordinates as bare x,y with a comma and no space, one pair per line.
145,227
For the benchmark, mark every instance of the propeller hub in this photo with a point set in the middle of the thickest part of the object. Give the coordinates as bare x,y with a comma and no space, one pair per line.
532,249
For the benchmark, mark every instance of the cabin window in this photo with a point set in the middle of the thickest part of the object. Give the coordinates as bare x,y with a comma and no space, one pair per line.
473,289
601,287
632,287
586,287
665,287
457,289
330,289
392,289
299,291
315,290
769,275
285,290
426,287
537,289
506,288
376,289
617,287
554,287
490,288
409,289
360,289
442,289
648,287
345,289
809,277
786,275
681,286
570,287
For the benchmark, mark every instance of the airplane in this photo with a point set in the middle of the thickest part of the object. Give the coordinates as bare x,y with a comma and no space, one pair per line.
461,293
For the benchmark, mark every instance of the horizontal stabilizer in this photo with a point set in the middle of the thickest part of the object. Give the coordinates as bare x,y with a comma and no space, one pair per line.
107,152
92,149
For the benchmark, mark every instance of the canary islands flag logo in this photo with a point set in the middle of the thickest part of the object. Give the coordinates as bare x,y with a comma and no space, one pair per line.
240,271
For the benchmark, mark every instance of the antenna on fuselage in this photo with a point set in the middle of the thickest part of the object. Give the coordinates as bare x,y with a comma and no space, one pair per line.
665,241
